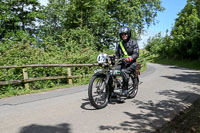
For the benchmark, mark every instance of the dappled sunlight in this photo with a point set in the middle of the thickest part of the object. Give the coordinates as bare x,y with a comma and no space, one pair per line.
153,115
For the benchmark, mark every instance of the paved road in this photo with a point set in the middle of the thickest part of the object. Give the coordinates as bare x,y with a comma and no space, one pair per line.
164,91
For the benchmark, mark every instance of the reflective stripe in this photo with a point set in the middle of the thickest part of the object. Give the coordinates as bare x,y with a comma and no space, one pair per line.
123,49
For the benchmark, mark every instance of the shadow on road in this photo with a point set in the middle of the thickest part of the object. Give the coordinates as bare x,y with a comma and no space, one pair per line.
152,116
189,77
61,128
86,105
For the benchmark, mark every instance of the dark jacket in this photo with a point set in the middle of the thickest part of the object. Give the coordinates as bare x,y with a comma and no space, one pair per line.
131,48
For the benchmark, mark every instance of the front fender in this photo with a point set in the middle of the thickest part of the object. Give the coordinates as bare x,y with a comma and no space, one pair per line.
107,76
99,74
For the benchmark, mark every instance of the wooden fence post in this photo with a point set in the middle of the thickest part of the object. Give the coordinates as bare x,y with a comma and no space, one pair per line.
25,74
69,75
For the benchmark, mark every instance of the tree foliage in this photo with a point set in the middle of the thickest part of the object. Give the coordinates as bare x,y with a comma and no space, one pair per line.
102,18
66,31
18,15
183,41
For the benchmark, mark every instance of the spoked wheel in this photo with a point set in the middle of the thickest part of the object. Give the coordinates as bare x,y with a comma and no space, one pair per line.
97,92
133,86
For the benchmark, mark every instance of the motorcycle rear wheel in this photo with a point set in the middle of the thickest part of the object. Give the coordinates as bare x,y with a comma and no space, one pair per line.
97,91
133,86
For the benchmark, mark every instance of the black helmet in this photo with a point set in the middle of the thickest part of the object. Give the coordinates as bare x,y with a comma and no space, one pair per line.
126,30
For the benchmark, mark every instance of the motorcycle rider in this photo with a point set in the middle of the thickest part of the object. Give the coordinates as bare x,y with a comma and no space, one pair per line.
129,49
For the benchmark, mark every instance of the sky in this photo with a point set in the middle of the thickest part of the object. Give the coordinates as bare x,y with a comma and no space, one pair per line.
43,2
164,20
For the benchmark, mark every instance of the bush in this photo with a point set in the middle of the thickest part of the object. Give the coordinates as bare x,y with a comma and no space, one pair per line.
24,53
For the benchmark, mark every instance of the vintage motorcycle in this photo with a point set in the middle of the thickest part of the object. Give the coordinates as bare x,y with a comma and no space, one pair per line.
107,82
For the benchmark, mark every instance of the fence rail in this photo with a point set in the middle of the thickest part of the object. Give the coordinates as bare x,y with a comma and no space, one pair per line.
26,79
48,65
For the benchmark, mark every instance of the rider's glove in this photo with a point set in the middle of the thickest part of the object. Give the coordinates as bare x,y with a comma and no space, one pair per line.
129,59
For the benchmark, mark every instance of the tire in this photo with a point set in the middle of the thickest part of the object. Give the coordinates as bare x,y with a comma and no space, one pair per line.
133,87
97,91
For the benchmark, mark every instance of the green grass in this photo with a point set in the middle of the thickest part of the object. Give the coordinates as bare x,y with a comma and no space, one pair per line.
191,64
12,92
144,67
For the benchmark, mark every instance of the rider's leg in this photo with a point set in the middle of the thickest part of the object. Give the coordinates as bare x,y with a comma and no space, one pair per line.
113,95
125,74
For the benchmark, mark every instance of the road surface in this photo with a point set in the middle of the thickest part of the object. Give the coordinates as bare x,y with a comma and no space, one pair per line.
164,91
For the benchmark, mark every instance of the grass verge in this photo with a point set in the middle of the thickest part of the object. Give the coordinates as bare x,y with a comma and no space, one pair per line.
191,64
29,91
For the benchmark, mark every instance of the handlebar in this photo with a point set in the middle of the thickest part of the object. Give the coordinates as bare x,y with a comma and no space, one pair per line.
112,59
121,59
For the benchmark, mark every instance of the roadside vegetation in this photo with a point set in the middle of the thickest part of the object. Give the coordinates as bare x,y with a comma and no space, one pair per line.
74,33
182,43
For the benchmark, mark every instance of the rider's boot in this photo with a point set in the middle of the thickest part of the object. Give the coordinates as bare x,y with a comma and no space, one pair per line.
125,90
113,97
124,93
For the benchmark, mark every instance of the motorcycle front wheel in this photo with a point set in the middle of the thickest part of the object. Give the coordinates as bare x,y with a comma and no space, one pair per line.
97,91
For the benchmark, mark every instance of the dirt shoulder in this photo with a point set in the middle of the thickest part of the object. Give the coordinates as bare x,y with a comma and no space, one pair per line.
187,121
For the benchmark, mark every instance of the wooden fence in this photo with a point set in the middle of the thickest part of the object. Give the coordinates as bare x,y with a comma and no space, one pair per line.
26,79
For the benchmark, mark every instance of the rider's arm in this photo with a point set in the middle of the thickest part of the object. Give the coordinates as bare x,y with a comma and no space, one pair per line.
135,54
117,52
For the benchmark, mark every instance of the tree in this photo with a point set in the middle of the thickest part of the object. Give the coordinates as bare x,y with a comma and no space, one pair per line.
18,15
185,30
102,18
185,36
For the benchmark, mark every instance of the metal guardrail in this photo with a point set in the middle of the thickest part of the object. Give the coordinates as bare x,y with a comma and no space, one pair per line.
26,79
